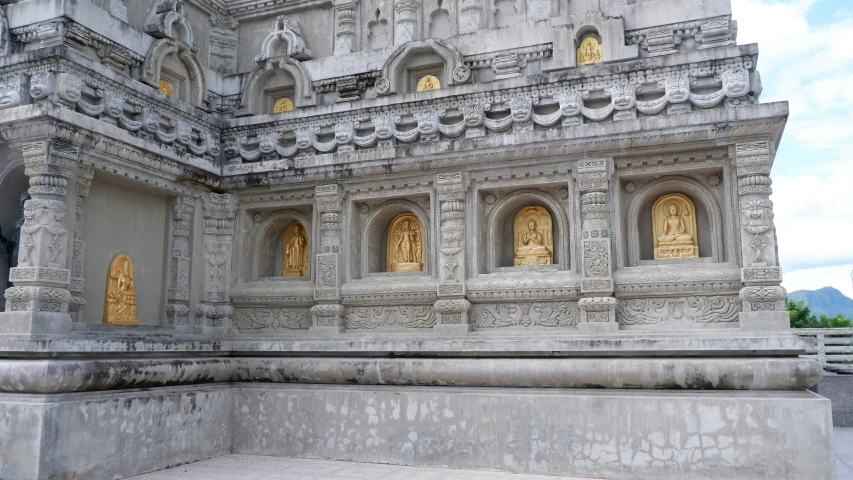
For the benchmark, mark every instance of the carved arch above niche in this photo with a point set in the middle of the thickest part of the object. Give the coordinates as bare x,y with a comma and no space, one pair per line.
702,198
152,71
168,19
391,82
252,101
285,39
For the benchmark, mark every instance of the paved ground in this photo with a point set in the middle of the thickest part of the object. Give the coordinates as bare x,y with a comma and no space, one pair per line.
252,467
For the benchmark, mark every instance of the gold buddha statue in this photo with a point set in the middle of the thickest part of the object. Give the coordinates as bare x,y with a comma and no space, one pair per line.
120,299
295,251
405,245
674,218
534,243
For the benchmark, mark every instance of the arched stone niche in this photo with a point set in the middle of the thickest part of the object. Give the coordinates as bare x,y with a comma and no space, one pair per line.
265,246
168,19
709,219
275,78
420,56
500,235
175,63
13,182
374,237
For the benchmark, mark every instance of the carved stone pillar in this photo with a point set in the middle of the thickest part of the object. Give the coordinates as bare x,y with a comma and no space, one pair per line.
405,20
178,293
345,18
598,307
470,16
328,315
452,307
85,173
763,297
38,303
213,314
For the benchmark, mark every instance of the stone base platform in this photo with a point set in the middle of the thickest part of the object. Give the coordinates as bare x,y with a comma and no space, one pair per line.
619,434
115,434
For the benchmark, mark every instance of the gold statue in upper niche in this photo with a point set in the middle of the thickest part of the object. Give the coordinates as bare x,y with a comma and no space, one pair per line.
283,104
166,88
295,247
120,301
589,51
405,244
428,82
534,240
674,218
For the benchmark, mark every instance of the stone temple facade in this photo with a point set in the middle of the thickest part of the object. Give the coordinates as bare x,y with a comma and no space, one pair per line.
527,235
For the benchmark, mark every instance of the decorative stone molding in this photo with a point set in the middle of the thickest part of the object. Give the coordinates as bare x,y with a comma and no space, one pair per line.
271,319
180,259
693,310
521,115
763,298
5,36
454,65
389,317
563,315
42,278
151,70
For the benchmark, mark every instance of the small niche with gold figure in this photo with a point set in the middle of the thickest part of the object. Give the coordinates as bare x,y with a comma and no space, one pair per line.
533,237
405,244
283,104
166,88
674,217
589,51
428,82
294,244
120,301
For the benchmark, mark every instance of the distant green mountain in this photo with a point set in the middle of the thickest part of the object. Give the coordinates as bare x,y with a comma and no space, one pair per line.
826,300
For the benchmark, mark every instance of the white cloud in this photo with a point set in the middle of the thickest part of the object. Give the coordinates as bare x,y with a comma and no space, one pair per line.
812,68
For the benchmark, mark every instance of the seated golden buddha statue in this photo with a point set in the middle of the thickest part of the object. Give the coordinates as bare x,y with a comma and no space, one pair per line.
675,230
532,245
674,217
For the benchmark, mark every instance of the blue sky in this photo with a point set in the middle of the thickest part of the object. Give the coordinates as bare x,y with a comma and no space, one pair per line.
806,58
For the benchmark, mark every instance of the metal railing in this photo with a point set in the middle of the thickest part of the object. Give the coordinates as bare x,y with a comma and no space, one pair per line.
833,346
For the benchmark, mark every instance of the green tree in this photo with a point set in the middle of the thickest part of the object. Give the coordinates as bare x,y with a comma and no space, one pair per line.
803,317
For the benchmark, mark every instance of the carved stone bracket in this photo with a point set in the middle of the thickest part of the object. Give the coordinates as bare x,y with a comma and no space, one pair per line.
214,310
452,307
178,293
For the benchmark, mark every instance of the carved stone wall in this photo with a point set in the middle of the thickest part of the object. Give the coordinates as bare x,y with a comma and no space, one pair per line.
180,259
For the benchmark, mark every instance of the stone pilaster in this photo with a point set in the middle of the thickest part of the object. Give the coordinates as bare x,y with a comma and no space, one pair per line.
345,28
470,16
328,315
763,297
85,173
452,307
178,293
598,307
38,303
213,314
405,20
